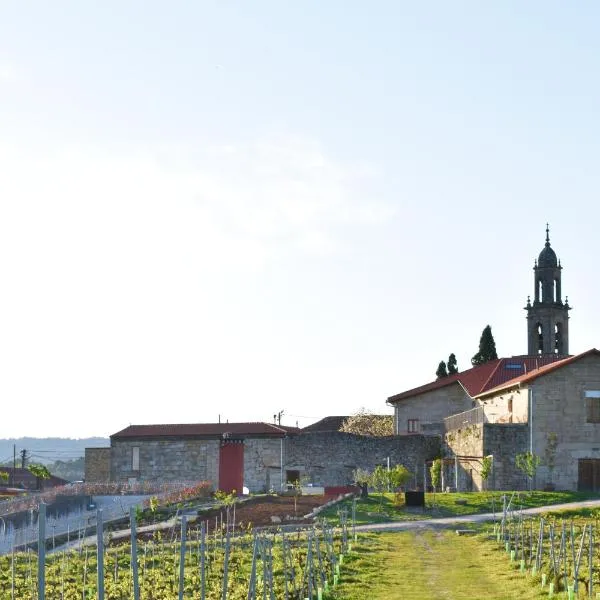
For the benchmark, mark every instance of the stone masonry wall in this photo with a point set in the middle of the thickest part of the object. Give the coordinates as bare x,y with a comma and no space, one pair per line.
467,441
560,406
502,441
431,407
330,458
262,464
97,465
166,460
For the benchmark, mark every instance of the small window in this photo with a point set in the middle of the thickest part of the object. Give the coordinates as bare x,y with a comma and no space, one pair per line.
413,426
135,458
292,476
593,406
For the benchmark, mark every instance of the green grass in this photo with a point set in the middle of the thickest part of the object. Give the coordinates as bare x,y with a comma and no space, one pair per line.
373,510
428,565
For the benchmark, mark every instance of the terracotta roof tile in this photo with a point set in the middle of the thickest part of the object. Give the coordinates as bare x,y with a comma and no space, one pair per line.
533,374
203,430
484,377
472,380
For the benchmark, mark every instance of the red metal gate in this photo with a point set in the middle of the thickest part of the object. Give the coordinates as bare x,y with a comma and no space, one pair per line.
231,466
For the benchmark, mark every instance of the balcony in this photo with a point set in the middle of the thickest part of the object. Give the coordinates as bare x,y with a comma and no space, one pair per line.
475,416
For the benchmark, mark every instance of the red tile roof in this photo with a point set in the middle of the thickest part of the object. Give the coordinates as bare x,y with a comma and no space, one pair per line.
533,374
25,478
479,379
209,430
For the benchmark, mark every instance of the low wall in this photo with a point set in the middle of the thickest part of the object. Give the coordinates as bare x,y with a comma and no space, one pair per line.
97,465
329,458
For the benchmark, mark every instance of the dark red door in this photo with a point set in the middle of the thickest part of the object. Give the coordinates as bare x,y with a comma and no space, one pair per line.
231,466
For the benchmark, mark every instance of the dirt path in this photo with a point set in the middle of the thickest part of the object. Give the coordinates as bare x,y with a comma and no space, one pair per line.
478,518
425,564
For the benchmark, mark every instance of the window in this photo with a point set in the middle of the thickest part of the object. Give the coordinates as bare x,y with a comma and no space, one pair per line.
558,345
292,476
540,336
592,399
413,426
135,458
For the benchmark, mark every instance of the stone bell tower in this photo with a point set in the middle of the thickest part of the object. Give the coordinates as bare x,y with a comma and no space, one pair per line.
548,315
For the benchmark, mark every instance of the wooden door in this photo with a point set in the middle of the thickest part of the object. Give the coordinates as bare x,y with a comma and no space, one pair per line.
589,475
231,466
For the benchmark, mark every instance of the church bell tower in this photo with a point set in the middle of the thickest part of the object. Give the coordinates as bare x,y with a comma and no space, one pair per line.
548,315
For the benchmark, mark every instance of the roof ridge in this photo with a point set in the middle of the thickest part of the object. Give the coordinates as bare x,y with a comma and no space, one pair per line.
493,372
538,371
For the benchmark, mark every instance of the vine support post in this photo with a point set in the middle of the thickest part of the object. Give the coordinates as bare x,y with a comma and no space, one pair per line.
202,561
182,556
134,558
100,555
41,552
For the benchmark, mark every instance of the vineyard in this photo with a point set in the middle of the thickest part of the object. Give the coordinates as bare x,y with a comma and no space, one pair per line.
290,562
560,554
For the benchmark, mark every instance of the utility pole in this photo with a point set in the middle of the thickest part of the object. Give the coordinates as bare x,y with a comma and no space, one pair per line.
278,415
24,458
12,475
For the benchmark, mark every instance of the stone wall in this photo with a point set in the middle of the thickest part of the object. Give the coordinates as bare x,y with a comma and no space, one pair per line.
324,458
467,441
328,459
262,464
560,406
97,465
430,407
502,441
166,460
508,407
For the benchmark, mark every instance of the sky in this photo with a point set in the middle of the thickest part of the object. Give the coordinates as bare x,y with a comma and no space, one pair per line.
230,209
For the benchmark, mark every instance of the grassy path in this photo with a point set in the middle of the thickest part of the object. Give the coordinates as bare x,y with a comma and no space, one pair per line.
430,565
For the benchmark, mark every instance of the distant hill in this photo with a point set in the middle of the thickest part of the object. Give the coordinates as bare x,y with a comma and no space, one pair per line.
47,450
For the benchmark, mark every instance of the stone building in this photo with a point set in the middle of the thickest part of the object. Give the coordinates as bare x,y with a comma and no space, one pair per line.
560,400
258,456
230,455
510,405
424,408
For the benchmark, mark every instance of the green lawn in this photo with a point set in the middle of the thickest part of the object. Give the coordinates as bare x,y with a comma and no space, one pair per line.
428,565
379,510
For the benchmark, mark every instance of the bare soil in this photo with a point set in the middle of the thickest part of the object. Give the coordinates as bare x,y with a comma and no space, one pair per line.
258,511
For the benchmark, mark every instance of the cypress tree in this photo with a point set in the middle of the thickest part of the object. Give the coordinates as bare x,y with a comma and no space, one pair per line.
452,364
487,348
441,370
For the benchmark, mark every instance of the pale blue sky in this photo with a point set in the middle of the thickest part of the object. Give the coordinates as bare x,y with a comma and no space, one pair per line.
240,208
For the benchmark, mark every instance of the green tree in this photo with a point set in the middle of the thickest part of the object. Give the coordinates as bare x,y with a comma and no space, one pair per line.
435,472
3,476
528,463
487,348
441,370
380,481
367,423
362,478
227,499
40,472
399,476
550,453
452,364
486,469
